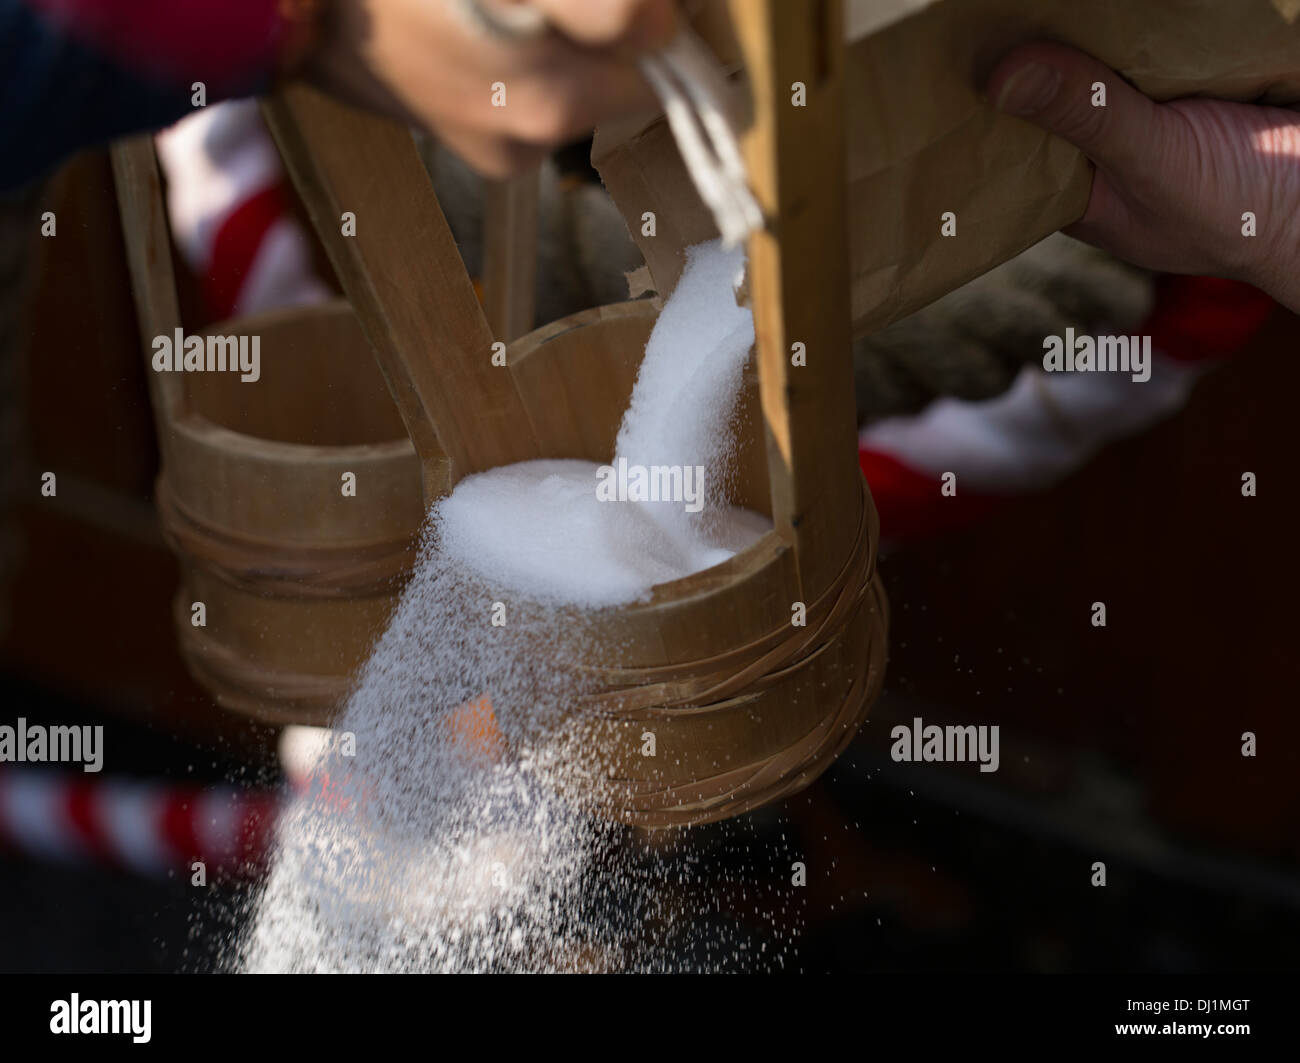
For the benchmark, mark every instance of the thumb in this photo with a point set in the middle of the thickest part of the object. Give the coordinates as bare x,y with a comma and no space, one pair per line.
1055,87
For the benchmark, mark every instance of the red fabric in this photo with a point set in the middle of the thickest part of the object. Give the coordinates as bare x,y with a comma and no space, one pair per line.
223,43
909,502
1195,319
80,800
1200,319
77,821
177,828
236,246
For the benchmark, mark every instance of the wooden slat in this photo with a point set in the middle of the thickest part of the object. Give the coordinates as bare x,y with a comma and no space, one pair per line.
405,278
510,255
799,275
149,259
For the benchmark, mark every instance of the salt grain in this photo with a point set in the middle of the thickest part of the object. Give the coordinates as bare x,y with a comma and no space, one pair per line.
539,527
431,850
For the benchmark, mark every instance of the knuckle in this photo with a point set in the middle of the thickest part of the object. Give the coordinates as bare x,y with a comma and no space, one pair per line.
1085,123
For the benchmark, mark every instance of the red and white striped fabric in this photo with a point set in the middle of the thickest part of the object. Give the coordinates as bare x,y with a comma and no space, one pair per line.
1048,425
227,201
150,827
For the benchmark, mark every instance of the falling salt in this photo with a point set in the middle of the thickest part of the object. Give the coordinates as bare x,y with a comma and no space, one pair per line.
540,527
444,843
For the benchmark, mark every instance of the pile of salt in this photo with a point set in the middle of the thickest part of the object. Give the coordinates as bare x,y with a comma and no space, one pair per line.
542,527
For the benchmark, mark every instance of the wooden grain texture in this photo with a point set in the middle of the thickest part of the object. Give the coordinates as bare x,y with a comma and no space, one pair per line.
297,579
510,255
322,387
405,278
149,259
799,275
726,756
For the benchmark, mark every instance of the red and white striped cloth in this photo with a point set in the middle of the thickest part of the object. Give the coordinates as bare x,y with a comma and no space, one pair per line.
147,826
228,204
1048,425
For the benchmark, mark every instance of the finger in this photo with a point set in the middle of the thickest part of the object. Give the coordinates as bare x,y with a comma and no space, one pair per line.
640,25
1108,222
1055,87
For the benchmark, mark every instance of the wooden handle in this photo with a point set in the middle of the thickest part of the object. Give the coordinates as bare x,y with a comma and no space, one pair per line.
799,276
405,279
153,275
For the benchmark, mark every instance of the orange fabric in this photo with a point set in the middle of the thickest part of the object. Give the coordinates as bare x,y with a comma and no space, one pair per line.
474,728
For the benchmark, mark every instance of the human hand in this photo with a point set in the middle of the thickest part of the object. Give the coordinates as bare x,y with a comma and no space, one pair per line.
1173,180
430,63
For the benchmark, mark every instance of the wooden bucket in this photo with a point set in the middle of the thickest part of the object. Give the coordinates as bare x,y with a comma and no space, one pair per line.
296,578
746,705
671,667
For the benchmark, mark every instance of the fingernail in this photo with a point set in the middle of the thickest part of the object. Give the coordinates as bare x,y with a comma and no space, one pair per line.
1029,89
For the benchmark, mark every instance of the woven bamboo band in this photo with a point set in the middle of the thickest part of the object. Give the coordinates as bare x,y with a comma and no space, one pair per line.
275,570
743,674
731,793
662,690
273,695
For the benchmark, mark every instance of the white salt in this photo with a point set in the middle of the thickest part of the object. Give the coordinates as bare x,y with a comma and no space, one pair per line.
690,378
540,528
425,851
